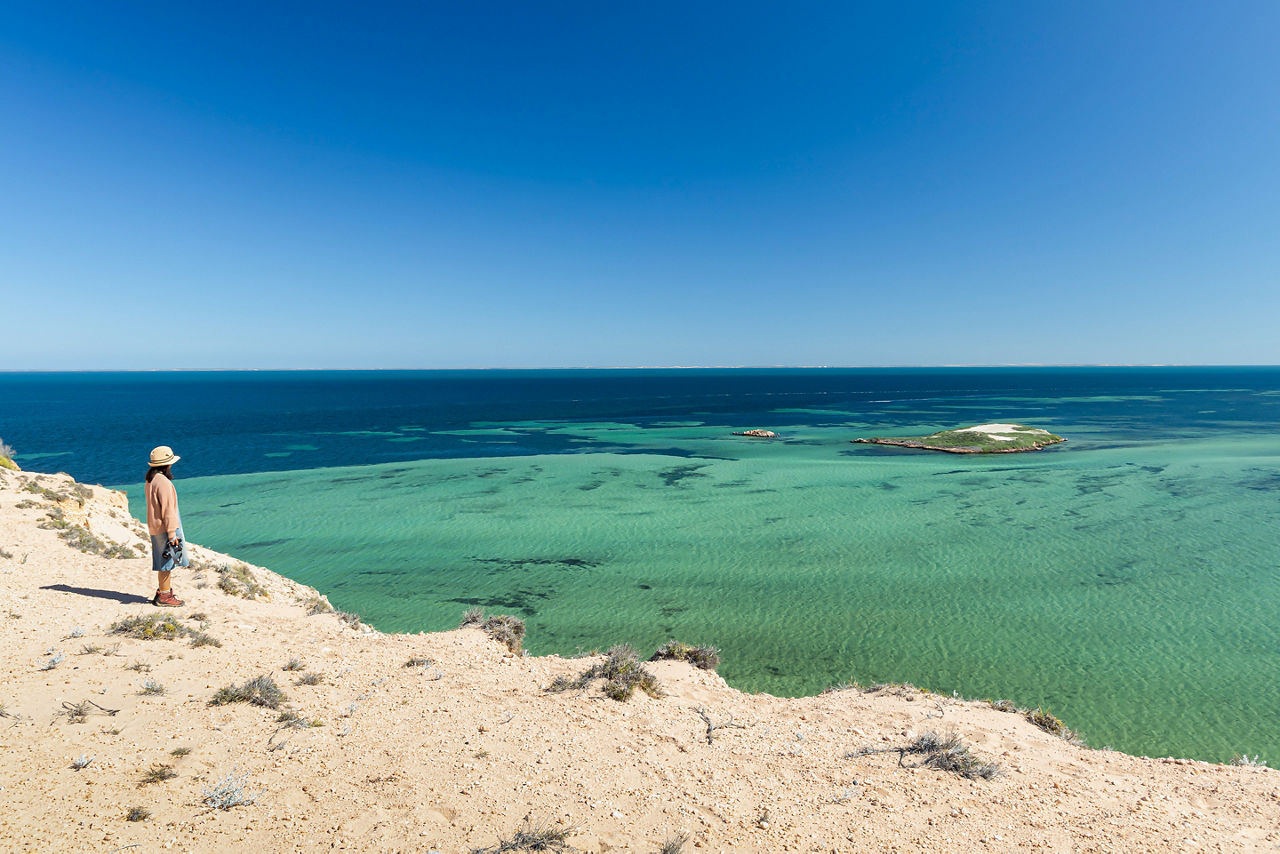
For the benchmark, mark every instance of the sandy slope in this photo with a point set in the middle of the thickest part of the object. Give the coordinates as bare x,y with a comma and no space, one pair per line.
454,755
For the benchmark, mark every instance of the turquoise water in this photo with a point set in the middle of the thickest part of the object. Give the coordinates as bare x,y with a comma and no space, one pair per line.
1128,580
1130,586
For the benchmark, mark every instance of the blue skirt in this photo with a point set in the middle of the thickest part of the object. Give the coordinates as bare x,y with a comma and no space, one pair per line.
165,557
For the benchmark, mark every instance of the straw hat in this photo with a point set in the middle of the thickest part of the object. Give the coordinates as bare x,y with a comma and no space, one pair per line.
163,456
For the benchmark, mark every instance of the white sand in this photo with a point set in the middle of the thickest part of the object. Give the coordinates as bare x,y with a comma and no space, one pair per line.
994,430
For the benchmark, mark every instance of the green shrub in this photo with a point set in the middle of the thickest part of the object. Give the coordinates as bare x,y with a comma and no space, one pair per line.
1046,720
238,580
149,627
155,626
79,537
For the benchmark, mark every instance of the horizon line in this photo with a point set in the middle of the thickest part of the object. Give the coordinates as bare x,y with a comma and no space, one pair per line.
945,366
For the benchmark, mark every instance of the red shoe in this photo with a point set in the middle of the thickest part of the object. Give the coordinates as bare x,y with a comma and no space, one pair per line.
166,599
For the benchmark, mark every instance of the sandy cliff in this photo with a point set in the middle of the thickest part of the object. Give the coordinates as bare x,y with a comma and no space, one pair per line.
456,753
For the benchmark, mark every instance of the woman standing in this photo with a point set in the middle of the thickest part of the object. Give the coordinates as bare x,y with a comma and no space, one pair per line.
165,526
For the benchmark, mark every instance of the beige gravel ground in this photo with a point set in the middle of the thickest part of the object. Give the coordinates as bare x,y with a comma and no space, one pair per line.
456,754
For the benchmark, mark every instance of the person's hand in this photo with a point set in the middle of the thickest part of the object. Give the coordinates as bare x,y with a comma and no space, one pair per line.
173,541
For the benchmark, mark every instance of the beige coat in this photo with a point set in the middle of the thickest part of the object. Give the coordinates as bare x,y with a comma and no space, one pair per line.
162,507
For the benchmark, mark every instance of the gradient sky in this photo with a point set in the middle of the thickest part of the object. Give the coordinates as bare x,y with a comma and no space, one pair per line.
308,185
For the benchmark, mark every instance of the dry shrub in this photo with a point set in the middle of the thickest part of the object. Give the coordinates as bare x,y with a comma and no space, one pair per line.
503,628
622,672
704,657
259,691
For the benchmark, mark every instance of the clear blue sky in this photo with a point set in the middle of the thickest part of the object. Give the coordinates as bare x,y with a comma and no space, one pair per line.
560,184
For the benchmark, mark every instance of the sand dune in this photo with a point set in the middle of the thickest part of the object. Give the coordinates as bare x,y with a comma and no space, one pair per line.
456,753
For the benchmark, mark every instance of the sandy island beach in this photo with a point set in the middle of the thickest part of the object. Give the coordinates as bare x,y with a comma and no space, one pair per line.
456,750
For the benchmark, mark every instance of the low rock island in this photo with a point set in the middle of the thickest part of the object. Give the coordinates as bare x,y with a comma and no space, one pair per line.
757,433
979,439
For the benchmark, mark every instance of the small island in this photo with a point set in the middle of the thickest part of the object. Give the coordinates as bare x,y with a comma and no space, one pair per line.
757,433
979,439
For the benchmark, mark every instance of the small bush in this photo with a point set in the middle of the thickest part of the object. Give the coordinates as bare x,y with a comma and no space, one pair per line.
705,657
137,814
1003,705
139,666
54,520
506,630
674,844
150,627
349,618
530,838
944,752
199,638
238,580
289,719
157,774
179,752
316,605
166,627
622,672
259,691
79,537
419,662
49,494
294,664
311,679
54,661
152,688
1247,761
1046,720
951,754
229,792
77,713
503,628
81,762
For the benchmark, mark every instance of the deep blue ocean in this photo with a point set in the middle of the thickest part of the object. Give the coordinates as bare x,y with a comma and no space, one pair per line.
100,426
